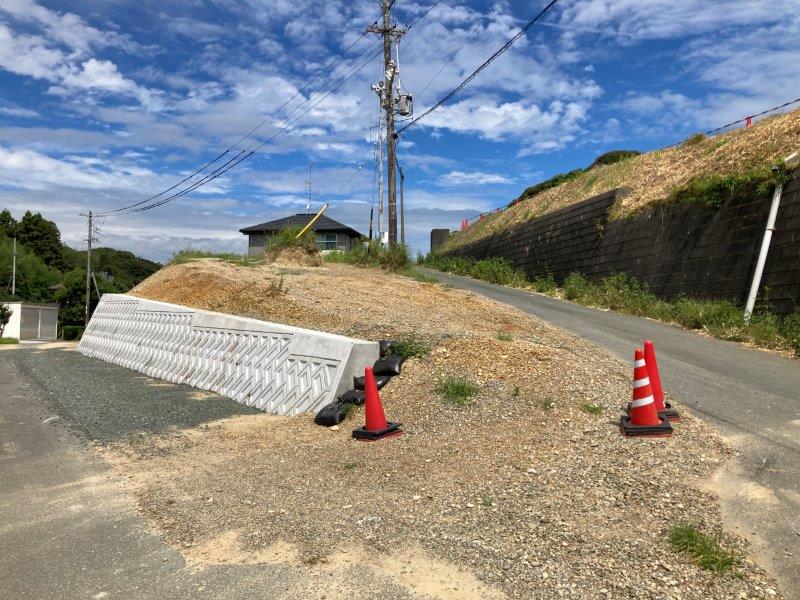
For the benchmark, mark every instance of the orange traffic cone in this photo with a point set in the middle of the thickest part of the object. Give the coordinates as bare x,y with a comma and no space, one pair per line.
655,383
376,426
643,419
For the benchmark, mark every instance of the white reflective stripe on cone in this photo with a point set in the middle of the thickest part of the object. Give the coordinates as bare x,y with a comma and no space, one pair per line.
642,402
637,383
638,363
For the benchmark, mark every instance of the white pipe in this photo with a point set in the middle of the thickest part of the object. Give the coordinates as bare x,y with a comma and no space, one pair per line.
791,162
762,255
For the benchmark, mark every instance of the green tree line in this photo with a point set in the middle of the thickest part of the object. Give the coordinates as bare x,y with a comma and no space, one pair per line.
50,271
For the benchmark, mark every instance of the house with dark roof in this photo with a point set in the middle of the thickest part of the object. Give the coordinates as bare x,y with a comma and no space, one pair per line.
331,235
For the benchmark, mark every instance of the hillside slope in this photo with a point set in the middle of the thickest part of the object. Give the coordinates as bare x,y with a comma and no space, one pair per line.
653,176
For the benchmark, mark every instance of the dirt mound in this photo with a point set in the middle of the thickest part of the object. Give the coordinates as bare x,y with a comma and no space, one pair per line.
294,255
652,176
521,485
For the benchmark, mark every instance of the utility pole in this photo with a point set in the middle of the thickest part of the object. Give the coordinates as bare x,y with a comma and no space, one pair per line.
308,202
389,34
88,269
14,268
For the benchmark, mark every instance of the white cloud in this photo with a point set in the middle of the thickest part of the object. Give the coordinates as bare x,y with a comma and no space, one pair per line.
472,178
15,111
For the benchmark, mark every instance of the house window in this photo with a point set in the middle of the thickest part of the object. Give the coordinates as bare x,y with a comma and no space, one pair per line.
326,241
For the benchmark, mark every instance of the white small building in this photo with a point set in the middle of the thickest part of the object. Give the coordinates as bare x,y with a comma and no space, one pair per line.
32,321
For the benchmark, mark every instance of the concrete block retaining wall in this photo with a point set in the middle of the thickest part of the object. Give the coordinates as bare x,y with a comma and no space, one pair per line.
280,369
677,249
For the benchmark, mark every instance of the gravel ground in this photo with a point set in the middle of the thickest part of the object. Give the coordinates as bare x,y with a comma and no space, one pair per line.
533,496
116,403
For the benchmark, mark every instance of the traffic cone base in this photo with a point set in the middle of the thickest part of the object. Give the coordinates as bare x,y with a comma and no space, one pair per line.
662,406
391,430
670,413
376,426
663,429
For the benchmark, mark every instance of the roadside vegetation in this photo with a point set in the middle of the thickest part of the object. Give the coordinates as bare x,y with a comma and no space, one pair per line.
395,258
8,340
707,550
719,318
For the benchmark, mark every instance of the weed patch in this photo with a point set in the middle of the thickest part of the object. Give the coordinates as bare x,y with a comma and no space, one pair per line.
8,340
707,551
456,389
592,409
504,337
412,346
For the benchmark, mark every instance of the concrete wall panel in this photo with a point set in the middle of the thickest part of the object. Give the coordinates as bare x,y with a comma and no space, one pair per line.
280,369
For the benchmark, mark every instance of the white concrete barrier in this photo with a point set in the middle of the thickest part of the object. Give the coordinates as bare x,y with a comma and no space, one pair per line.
280,369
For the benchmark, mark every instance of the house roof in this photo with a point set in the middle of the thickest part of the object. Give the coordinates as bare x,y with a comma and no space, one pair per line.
323,224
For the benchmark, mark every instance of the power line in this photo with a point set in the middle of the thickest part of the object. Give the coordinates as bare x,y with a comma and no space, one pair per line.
244,154
423,15
485,64
248,151
763,112
249,133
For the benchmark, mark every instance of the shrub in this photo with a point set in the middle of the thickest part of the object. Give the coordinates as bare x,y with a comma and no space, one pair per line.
576,286
547,184
5,317
395,257
790,329
496,270
613,157
371,253
72,332
288,238
712,190
546,284
693,140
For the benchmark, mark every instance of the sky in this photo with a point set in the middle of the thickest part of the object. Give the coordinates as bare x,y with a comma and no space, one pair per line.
104,104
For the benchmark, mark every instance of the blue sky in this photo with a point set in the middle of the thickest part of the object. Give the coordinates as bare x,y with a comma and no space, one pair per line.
105,103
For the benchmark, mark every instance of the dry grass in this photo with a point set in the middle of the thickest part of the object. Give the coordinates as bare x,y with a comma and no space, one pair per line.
652,176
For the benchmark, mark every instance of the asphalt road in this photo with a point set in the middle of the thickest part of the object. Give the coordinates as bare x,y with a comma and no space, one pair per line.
751,396
68,529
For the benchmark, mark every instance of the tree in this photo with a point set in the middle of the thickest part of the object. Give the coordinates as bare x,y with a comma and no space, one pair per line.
34,278
43,238
8,224
5,317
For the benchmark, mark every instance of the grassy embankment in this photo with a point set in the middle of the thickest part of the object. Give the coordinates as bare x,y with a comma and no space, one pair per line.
700,169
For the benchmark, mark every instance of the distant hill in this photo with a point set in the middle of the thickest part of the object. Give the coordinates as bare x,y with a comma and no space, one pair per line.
126,268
